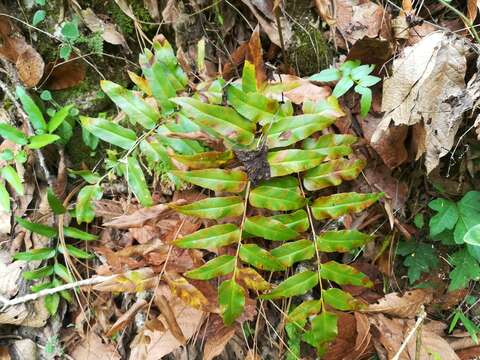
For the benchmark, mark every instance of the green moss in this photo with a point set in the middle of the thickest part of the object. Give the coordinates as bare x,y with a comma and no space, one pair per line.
124,22
309,51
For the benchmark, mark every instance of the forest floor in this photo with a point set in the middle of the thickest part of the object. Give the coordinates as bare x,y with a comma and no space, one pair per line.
241,179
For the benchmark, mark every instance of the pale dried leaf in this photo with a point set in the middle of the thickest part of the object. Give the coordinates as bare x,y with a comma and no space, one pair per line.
138,218
153,345
355,19
266,20
218,335
169,316
427,87
406,306
127,317
109,31
392,333
93,348
30,67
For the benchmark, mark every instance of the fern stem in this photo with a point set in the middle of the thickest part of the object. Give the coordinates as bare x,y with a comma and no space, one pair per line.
244,217
317,252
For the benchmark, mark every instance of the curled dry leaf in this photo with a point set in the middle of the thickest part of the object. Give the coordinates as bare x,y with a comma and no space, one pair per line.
427,87
392,334
153,345
169,316
64,75
189,294
356,19
30,67
297,90
94,348
217,335
127,317
108,30
406,306
266,18
14,48
138,218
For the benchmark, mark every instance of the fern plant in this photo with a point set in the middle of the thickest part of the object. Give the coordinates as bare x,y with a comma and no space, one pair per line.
261,164
53,273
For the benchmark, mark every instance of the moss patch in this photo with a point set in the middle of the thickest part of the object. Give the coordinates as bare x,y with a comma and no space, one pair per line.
309,52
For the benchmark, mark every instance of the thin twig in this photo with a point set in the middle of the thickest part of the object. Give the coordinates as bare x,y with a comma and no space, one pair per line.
5,303
420,319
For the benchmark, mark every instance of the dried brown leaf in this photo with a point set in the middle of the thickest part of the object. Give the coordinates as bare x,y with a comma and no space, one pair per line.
127,317
94,348
406,306
189,294
30,67
167,312
138,218
153,345
392,333
218,335
428,87
64,75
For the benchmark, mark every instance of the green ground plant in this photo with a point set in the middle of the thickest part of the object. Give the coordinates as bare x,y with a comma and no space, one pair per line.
260,163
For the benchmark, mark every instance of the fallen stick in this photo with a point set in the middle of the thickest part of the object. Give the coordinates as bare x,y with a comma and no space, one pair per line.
420,319
5,303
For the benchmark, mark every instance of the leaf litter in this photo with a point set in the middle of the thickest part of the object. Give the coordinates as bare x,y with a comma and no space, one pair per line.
429,90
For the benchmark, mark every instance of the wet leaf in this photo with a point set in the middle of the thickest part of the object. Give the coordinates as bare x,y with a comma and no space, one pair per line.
58,118
137,182
260,258
255,163
341,300
137,109
291,129
323,330
12,177
40,229
341,240
110,132
40,141
269,228
293,252
252,279
285,162
75,233
304,310
51,303
84,211
253,106
215,179
297,220
336,205
13,134
219,266
231,298
344,274
223,120
332,146
34,113
36,254
332,173
4,198
189,294
38,273
297,284
205,160
210,238
213,208
277,195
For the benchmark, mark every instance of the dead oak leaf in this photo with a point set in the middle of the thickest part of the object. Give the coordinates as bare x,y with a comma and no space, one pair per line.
427,87
406,306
